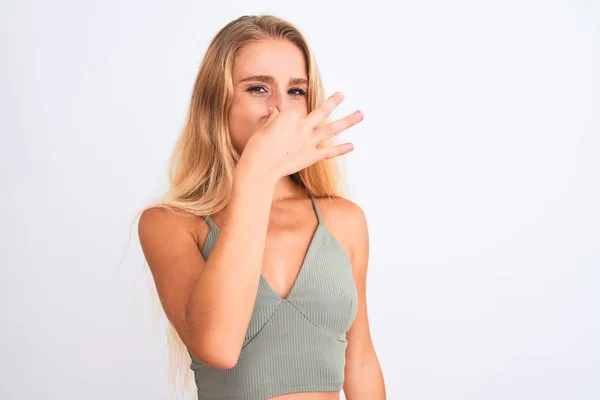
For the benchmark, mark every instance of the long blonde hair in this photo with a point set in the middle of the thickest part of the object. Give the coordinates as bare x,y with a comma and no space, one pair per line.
202,163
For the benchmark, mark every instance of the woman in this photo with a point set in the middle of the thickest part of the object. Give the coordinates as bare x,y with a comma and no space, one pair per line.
259,263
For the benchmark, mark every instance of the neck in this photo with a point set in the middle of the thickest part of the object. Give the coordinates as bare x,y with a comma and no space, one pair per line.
286,187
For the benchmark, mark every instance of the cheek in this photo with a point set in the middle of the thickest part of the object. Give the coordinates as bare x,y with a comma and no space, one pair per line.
304,107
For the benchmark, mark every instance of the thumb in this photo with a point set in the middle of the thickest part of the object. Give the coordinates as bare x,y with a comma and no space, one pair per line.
273,112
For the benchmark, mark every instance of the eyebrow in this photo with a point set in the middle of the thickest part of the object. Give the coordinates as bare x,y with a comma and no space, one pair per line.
271,79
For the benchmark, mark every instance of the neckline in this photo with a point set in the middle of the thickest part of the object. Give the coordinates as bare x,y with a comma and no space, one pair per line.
301,271
309,251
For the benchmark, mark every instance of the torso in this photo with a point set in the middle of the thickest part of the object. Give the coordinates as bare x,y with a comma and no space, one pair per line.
291,226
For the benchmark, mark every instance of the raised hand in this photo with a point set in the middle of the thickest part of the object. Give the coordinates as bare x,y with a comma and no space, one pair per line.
288,141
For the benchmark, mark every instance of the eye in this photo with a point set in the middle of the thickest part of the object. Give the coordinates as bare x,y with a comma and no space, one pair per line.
298,92
255,89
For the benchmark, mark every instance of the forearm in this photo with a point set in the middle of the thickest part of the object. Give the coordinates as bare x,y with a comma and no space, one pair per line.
223,296
364,381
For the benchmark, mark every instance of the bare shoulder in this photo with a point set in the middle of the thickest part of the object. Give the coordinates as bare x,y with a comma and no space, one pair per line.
168,237
155,219
347,222
159,223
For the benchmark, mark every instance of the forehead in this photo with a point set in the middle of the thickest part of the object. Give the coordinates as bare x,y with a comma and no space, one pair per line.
279,58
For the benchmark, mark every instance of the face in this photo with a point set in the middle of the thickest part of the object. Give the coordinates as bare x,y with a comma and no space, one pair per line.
266,73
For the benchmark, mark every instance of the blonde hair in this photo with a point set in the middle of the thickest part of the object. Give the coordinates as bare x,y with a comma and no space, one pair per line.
202,163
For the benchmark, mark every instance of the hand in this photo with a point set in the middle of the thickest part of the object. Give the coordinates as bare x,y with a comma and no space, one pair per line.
287,142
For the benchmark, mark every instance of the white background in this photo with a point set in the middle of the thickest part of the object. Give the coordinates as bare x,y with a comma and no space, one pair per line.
477,165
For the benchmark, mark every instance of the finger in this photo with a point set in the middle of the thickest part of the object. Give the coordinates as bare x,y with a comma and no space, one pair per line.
273,112
335,151
319,114
334,128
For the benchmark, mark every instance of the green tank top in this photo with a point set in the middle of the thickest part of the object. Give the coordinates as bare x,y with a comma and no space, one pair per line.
296,344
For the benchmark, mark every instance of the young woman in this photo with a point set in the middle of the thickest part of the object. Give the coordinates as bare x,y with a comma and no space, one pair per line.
259,263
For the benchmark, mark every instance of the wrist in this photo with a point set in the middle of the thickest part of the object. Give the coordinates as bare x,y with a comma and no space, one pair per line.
252,172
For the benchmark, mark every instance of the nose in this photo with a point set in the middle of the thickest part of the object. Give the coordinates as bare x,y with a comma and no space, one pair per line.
280,99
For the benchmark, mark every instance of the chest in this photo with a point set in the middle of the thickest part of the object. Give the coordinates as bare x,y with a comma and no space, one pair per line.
287,251
306,274
323,292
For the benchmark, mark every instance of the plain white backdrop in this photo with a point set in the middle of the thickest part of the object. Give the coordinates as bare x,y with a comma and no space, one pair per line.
477,165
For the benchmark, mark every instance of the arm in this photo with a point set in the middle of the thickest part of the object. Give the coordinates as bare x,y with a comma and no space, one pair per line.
210,302
363,376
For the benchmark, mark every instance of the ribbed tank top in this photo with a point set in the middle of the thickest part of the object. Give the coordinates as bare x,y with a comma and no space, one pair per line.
296,344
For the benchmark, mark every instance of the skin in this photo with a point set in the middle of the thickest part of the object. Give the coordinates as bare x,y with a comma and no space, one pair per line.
291,223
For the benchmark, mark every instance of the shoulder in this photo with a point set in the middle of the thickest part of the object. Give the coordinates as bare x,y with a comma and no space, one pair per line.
347,222
156,218
343,212
161,223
